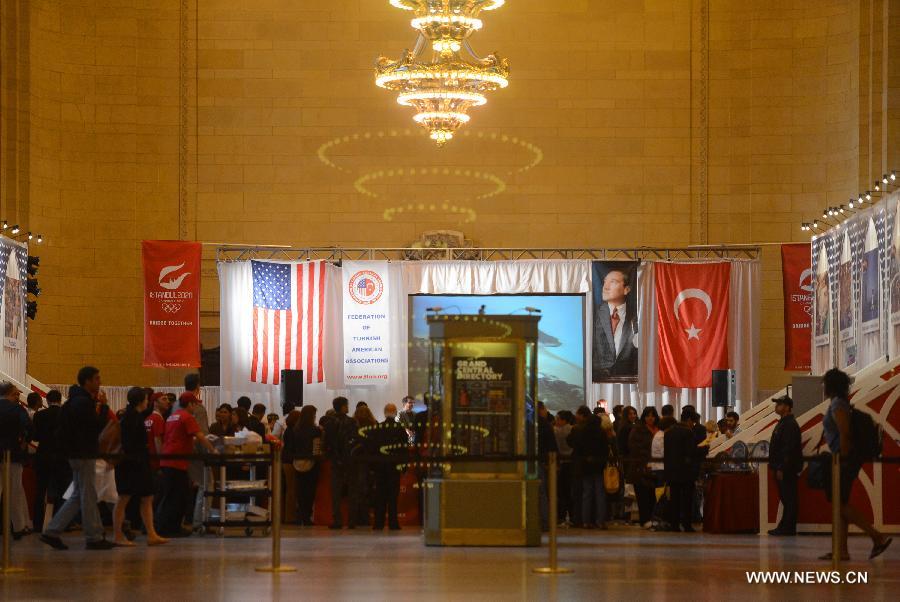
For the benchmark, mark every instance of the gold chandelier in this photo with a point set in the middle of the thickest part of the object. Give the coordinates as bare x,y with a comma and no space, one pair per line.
443,90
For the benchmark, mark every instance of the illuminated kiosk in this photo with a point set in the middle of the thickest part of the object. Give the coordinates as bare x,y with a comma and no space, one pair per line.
483,379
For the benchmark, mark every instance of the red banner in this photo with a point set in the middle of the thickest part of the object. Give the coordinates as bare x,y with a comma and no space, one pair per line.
171,303
692,321
799,285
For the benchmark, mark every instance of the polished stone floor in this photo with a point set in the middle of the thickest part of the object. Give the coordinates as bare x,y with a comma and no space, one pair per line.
623,563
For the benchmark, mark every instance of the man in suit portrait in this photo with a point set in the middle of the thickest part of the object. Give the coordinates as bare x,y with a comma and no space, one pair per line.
614,356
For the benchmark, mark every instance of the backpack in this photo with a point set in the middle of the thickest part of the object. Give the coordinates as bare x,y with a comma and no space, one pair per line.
865,434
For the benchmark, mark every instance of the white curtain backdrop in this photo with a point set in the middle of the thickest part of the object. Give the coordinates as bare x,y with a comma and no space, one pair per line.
235,335
527,276
485,278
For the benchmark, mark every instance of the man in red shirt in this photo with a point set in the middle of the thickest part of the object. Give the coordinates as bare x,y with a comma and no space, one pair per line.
180,434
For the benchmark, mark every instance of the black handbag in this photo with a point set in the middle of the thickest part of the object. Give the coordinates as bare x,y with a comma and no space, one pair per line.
818,473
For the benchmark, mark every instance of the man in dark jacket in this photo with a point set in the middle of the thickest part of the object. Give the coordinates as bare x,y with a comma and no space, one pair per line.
681,465
786,460
15,431
389,439
340,434
53,473
81,421
590,448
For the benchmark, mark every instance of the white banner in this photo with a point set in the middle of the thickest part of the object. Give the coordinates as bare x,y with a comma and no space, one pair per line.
366,307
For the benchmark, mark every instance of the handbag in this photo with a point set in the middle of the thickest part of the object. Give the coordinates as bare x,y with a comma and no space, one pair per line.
818,474
611,478
110,441
307,465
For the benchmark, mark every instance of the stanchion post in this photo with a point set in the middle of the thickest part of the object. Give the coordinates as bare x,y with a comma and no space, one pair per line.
837,530
7,496
275,516
554,568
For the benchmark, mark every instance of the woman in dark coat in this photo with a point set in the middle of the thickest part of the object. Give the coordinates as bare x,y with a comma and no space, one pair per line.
134,477
637,466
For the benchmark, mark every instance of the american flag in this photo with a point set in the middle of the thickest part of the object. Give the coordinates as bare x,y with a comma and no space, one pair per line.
288,320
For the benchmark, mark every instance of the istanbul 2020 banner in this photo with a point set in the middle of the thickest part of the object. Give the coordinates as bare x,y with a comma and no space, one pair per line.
171,303
798,282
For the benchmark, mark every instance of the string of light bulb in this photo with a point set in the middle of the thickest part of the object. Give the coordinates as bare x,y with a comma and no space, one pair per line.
833,216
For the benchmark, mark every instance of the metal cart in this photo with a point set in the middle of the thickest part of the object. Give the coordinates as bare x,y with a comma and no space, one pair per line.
238,502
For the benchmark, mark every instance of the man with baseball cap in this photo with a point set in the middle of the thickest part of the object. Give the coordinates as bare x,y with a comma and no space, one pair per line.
786,460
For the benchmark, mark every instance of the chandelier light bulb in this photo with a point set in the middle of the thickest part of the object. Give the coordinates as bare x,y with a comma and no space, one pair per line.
868,195
30,236
15,229
446,46
884,179
40,238
851,204
815,224
877,186
5,224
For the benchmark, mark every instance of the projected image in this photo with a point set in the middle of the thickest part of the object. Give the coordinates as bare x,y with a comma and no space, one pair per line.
560,341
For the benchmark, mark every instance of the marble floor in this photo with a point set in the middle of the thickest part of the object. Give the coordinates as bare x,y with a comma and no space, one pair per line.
623,563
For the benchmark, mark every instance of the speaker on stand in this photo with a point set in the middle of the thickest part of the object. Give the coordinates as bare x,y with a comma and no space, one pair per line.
724,391
291,390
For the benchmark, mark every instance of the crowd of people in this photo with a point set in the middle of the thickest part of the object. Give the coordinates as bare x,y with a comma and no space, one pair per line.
148,482
600,455
130,470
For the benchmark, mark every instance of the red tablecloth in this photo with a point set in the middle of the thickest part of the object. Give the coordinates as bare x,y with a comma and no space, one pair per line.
407,503
731,503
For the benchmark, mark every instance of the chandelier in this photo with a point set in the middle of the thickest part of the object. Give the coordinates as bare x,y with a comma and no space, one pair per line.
443,89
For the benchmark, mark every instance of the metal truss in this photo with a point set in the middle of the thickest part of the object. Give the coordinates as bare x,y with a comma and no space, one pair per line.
230,253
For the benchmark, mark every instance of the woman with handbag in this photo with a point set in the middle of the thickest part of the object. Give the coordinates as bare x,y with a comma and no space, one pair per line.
304,439
637,464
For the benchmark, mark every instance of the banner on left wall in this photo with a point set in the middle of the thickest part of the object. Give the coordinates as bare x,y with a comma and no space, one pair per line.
171,303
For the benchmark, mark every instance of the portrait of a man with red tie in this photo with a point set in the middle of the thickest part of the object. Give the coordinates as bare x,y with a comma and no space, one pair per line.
614,347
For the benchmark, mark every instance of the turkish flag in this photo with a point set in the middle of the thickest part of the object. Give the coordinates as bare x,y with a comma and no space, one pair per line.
692,321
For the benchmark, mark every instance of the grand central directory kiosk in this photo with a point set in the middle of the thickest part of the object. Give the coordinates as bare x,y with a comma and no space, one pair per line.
482,385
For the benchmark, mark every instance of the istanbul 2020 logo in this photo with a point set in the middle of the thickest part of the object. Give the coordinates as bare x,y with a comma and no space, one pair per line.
366,287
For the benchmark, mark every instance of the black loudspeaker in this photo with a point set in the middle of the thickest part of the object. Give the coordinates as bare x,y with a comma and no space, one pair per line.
723,388
291,390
